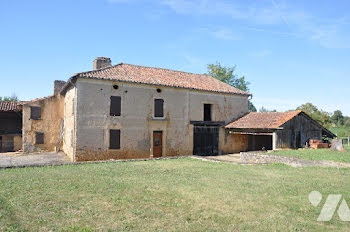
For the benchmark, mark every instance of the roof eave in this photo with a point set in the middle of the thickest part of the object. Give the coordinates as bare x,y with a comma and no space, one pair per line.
73,78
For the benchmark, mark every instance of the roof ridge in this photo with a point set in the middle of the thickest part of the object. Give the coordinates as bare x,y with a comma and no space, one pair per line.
167,69
100,69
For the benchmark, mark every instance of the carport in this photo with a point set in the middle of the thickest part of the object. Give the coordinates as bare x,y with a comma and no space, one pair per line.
278,130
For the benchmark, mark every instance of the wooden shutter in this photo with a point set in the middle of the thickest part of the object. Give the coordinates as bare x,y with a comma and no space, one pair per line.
35,112
158,108
115,109
39,138
114,139
207,112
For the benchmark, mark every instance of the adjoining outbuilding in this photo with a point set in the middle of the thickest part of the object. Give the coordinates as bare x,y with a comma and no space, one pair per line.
277,130
10,126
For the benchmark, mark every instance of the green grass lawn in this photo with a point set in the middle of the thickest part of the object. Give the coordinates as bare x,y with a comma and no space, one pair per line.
168,195
319,154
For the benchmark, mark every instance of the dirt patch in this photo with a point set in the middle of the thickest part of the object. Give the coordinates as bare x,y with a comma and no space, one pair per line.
9,160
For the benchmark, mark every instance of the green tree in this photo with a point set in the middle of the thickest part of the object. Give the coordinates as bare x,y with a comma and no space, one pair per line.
264,110
13,98
227,75
323,117
338,118
251,107
347,121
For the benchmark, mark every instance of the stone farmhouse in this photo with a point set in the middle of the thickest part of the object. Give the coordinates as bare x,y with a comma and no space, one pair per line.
129,111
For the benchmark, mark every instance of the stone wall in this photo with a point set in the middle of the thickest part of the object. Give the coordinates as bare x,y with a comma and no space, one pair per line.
234,143
69,116
49,124
136,122
265,158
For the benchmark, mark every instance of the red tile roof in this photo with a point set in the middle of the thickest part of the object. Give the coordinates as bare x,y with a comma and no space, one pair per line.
159,76
255,120
35,100
8,106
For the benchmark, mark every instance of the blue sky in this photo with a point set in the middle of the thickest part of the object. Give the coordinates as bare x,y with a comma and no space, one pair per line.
292,52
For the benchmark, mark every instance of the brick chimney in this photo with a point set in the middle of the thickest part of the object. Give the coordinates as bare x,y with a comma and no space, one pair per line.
102,62
57,86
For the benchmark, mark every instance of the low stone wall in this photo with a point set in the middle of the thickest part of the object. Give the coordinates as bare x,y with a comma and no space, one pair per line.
265,158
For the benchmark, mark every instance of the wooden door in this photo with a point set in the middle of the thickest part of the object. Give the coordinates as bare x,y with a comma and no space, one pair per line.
157,144
205,140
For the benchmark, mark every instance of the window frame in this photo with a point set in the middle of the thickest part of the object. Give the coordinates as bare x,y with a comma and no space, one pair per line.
110,147
111,112
210,113
42,138
155,111
32,112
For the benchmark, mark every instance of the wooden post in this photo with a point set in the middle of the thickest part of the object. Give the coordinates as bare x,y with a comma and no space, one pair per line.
349,141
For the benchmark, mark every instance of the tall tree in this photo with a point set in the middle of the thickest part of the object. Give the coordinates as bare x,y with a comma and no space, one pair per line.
227,75
338,118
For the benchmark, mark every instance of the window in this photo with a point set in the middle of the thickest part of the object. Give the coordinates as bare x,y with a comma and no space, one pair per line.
158,108
35,112
39,138
114,139
115,106
207,112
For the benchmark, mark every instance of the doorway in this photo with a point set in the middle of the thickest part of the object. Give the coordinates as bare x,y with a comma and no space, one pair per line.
205,140
260,142
157,144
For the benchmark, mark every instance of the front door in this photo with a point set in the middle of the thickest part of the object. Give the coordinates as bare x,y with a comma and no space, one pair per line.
157,144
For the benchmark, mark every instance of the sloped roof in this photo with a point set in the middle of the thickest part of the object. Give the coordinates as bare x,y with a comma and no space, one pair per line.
36,100
256,120
158,76
8,106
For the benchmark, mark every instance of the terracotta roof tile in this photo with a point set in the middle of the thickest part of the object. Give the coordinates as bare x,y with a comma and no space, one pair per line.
36,100
255,120
159,76
8,106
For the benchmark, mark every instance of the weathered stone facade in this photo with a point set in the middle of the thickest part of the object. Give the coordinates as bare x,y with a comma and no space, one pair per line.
48,124
87,119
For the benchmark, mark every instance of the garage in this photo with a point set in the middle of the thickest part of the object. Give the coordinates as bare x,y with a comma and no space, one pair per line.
278,130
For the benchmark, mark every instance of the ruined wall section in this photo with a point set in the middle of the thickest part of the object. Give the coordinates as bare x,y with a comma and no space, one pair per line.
48,124
136,123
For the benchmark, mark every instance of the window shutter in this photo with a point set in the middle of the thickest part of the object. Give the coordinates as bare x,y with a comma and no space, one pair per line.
158,108
39,138
35,112
115,106
207,112
114,139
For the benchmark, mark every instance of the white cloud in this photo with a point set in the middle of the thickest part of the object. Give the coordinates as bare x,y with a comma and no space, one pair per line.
329,33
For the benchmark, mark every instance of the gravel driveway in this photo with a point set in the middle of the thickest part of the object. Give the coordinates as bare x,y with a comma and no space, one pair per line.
8,160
